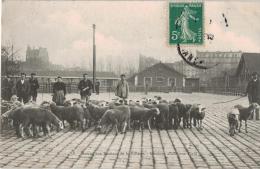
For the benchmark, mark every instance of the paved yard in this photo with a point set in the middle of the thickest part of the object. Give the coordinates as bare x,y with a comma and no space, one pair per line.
211,147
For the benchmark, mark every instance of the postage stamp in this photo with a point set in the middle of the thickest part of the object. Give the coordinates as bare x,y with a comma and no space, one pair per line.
186,23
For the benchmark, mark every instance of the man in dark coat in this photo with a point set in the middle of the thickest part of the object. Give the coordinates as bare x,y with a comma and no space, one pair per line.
34,86
23,89
253,92
253,89
59,91
7,88
85,86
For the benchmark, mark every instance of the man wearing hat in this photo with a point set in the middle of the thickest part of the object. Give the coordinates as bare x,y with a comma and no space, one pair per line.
23,89
85,86
122,88
59,91
34,87
253,89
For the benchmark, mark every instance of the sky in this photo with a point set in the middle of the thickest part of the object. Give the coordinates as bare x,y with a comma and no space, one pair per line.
124,29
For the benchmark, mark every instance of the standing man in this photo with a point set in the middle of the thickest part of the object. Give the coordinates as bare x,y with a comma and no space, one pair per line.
34,86
122,88
23,89
97,87
7,88
253,90
85,86
59,91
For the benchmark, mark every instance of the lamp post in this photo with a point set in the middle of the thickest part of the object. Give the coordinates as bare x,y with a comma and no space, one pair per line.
94,58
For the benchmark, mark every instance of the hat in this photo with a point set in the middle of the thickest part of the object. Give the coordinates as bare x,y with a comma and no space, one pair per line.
33,74
59,77
122,75
85,74
23,74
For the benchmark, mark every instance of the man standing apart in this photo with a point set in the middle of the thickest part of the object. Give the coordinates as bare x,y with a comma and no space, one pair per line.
253,90
85,87
34,87
122,88
23,89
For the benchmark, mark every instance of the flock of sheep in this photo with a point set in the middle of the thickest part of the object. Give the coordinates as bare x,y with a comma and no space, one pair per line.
31,119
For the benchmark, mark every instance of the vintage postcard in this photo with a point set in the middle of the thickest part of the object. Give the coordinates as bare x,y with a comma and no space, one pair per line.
130,84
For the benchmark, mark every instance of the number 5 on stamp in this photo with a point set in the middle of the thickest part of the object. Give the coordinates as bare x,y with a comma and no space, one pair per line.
186,23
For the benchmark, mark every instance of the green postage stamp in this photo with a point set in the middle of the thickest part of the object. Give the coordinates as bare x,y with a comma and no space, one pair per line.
186,23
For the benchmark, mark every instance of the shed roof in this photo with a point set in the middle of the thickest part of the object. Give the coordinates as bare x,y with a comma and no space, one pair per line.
161,64
251,61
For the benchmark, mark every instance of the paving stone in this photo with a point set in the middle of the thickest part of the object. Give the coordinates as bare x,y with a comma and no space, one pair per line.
211,147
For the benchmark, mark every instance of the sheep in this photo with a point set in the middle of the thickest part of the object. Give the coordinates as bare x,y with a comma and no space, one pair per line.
70,114
161,121
32,114
87,117
143,115
184,113
173,114
118,116
233,121
244,113
197,113
96,112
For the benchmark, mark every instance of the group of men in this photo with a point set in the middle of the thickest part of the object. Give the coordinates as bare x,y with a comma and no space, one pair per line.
27,89
24,89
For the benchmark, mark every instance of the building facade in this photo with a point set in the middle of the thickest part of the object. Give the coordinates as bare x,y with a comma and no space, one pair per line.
221,62
37,57
158,75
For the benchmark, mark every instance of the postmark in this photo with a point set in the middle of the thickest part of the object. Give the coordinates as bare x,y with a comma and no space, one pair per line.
186,25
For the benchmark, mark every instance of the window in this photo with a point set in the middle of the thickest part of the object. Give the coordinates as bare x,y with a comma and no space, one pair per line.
159,79
172,81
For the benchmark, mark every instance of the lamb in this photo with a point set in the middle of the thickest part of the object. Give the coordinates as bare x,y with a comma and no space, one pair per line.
118,116
143,114
244,113
233,121
70,114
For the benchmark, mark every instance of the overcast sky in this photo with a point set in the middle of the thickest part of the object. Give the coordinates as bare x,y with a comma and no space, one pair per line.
123,29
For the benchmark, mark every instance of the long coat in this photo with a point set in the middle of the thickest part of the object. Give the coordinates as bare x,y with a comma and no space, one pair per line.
23,90
122,89
59,92
253,91
83,84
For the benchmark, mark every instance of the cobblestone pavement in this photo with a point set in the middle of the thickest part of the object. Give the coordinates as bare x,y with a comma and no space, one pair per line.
211,147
